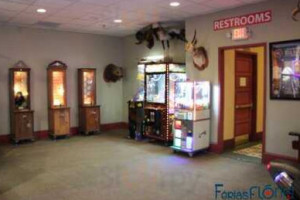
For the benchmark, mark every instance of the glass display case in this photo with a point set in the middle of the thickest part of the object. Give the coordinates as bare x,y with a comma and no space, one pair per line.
89,112
191,128
58,89
160,79
21,115
58,112
156,88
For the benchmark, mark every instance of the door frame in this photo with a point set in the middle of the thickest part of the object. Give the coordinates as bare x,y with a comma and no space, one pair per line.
221,144
254,94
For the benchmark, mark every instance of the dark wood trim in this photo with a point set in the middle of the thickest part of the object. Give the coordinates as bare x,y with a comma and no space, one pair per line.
267,157
44,134
114,126
229,144
4,139
220,144
215,148
256,136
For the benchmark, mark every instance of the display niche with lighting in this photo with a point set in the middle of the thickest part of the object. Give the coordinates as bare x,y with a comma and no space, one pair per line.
89,112
58,112
160,81
21,115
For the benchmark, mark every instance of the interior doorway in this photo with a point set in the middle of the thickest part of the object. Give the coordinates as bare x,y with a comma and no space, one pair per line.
242,75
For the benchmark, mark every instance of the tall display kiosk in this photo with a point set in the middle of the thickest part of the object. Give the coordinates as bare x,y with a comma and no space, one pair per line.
160,81
192,117
21,115
89,112
58,112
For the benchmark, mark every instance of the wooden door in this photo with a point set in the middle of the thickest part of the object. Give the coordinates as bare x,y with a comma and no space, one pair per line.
245,95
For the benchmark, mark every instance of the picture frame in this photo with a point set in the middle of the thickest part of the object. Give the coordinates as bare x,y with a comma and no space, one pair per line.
285,70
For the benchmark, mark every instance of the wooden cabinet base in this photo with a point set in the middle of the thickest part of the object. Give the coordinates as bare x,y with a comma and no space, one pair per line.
89,119
59,122
22,126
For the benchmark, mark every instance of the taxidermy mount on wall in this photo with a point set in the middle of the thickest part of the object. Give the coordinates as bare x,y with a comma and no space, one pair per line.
112,73
159,32
296,11
199,54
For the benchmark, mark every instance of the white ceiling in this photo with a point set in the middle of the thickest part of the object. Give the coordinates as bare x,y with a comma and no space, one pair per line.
96,16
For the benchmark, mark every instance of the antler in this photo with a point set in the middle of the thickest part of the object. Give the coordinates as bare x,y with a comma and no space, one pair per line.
296,11
194,41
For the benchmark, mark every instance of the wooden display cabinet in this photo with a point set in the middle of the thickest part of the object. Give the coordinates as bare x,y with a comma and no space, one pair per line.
21,115
89,112
58,112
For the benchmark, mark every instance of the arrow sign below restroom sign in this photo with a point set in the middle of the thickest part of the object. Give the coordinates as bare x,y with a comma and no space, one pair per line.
243,20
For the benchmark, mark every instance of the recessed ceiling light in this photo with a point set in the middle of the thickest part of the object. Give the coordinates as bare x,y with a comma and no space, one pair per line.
41,10
118,21
174,4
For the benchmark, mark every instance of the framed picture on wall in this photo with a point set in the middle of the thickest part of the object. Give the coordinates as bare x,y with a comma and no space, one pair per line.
285,70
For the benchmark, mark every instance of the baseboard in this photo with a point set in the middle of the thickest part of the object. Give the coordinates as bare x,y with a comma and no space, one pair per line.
4,139
267,157
114,126
229,144
256,137
43,134
215,148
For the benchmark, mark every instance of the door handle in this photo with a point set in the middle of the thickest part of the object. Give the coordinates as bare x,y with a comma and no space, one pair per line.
244,106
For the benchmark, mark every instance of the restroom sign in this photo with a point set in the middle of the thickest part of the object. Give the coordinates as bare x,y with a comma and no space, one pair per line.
243,20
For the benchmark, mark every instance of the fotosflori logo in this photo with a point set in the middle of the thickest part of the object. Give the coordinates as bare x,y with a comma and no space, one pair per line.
254,192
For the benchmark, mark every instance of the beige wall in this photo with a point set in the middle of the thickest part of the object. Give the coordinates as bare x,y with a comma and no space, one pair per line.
282,116
229,90
37,48
133,54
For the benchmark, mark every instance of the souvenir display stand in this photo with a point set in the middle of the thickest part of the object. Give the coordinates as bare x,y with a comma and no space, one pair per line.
89,112
160,81
21,115
58,112
191,128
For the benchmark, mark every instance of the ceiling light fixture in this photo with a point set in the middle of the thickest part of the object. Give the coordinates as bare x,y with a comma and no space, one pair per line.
175,4
41,10
118,21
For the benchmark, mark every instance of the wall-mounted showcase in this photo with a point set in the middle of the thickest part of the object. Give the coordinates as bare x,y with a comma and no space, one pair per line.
89,112
21,115
160,81
58,112
285,70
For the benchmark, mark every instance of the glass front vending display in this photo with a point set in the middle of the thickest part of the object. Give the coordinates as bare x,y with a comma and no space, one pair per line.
21,90
174,78
88,88
184,95
156,88
140,94
58,89
202,95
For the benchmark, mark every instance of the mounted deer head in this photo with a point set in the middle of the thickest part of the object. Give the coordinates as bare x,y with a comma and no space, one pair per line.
199,54
296,11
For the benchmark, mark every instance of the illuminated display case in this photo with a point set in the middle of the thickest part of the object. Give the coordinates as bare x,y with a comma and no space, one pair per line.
136,107
89,112
160,79
21,115
191,128
58,112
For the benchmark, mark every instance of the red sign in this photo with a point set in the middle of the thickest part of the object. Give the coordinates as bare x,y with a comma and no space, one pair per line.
240,33
244,20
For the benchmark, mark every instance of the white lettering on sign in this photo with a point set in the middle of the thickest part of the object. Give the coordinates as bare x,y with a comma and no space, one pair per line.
244,20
